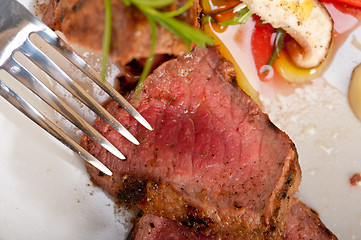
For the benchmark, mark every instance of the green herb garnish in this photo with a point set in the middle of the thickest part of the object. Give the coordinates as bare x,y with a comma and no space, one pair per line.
241,17
106,38
277,47
149,8
149,3
184,31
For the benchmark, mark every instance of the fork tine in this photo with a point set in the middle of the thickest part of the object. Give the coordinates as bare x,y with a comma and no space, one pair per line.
80,63
36,86
32,113
48,66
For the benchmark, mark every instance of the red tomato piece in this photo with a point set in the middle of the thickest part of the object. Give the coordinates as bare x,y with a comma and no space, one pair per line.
261,45
355,3
344,7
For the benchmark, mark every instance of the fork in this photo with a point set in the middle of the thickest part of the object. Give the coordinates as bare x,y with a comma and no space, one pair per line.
17,24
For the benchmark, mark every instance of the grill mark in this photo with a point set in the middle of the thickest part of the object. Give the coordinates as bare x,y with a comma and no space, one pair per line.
132,190
196,221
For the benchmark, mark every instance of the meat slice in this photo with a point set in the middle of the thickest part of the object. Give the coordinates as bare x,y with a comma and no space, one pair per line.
303,223
151,227
82,22
214,161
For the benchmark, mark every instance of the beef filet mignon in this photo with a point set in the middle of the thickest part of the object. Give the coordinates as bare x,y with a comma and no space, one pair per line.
151,227
303,223
213,162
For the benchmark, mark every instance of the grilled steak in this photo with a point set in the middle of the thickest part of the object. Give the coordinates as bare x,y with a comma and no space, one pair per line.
82,22
303,223
213,162
151,227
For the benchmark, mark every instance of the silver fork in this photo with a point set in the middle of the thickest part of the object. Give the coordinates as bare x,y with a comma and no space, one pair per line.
16,26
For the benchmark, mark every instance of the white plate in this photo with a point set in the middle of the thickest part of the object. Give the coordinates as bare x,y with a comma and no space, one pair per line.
46,192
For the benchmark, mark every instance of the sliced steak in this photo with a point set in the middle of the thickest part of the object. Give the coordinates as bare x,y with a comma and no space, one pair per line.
152,227
82,22
214,161
303,223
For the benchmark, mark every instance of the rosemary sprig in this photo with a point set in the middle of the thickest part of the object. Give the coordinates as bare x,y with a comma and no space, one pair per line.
241,17
180,10
184,31
150,9
106,37
153,3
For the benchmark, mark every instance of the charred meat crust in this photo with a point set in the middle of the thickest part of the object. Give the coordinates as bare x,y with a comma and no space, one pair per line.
284,192
214,160
151,227
304,224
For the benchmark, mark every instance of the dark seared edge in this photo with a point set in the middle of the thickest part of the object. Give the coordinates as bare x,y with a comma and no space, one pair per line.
304,224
